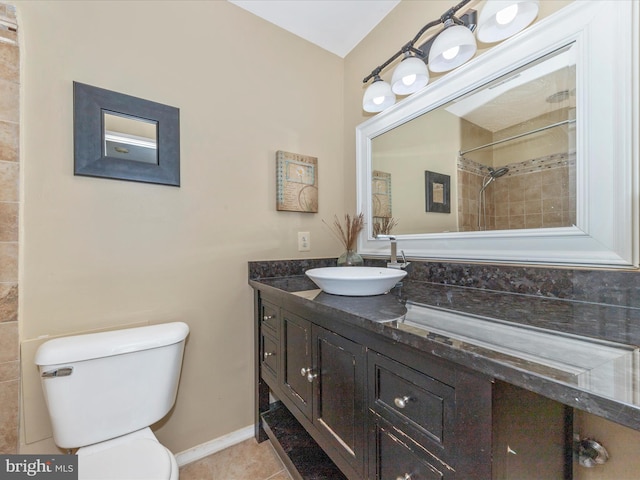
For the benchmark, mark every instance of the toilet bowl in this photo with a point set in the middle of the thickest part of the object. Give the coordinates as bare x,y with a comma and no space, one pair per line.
104,390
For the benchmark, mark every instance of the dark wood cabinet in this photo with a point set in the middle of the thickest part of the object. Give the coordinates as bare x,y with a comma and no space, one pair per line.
379,410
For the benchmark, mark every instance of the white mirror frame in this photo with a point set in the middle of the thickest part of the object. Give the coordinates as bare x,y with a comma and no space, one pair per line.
607,131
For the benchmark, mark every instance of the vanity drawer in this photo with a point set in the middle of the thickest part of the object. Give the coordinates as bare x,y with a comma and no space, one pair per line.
270,357
270,318
399,458
419,405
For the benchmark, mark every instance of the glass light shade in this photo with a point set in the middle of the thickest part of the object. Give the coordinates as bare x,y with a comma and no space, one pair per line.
410,76
500,19
378,96
451,48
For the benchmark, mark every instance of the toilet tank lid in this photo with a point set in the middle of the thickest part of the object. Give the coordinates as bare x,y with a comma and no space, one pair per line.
77,348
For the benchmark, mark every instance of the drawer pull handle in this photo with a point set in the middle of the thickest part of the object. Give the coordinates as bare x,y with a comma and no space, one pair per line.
268,317
406,476
268,354
308,372
401,402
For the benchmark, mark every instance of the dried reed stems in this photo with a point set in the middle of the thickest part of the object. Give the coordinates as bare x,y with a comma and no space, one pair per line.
384,226
348,233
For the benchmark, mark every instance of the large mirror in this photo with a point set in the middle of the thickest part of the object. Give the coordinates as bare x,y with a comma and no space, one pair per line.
524,154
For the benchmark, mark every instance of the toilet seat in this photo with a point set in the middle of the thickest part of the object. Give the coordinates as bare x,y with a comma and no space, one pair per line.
130,457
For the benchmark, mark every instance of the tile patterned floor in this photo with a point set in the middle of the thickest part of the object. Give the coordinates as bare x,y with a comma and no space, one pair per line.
247,460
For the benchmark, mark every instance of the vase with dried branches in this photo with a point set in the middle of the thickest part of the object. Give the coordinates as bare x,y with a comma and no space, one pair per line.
384,225
348,234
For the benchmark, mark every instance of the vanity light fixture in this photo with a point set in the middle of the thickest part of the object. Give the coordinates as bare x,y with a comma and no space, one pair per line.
501,19
410,76
378,96
448,49
453,47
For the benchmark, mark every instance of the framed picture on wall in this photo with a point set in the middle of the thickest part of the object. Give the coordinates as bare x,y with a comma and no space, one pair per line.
437,192
296,182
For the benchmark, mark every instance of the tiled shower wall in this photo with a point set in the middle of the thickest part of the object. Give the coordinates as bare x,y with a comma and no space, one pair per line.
537,193
9,202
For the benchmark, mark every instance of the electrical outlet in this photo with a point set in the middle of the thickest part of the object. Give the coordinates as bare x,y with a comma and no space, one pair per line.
304,241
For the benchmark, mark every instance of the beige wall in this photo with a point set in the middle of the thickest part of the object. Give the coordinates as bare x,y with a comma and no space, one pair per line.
9,206
393,32
100,253
406,154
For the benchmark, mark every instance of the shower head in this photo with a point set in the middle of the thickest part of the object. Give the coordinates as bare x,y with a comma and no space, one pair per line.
491,176
497,173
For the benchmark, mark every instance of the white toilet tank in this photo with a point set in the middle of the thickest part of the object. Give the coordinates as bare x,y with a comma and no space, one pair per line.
100,386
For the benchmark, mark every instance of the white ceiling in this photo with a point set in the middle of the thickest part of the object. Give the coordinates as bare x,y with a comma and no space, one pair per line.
335,25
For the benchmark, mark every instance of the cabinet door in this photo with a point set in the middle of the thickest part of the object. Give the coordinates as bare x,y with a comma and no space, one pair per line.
339,396
296,362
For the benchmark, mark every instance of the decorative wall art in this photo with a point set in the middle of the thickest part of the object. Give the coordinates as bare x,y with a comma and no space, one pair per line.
381,193
297,182
437,192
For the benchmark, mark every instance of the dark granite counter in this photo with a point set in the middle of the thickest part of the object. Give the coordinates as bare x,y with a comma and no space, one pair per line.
586,355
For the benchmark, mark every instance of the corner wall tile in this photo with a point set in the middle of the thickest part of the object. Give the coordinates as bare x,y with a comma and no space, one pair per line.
9,351
9,141
9,182
9,371
9,414
9,262
9,101
9,62
8,302
8,222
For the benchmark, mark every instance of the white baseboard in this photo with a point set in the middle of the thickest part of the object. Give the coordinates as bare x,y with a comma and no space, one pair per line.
213,446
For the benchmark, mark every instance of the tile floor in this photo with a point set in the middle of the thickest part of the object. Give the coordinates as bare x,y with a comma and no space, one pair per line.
247,460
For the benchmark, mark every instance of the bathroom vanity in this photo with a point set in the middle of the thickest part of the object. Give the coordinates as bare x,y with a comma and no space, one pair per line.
370,403
410,383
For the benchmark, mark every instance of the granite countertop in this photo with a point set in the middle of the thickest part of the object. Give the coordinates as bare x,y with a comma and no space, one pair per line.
586,355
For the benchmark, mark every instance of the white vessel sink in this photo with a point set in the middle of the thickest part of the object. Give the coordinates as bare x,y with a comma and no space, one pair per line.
355,281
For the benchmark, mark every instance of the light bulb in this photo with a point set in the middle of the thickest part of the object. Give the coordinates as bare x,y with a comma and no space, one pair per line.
451,52
409,79
378,100
506,15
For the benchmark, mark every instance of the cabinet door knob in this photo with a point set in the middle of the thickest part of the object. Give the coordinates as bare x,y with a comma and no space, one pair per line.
308,372
268,354
268,317
401,402
406,476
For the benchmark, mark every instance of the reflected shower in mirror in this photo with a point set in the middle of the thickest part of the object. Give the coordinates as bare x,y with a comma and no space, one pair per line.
508,146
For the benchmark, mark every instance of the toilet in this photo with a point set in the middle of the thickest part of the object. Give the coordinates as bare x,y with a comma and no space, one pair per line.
103,391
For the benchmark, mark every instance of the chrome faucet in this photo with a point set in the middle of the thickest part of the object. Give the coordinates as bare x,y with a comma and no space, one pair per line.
393,261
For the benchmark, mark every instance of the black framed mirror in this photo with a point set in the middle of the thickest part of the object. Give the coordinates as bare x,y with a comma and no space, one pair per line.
123,137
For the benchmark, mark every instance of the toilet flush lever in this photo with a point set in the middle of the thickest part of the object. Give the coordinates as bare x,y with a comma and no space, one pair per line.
58,372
